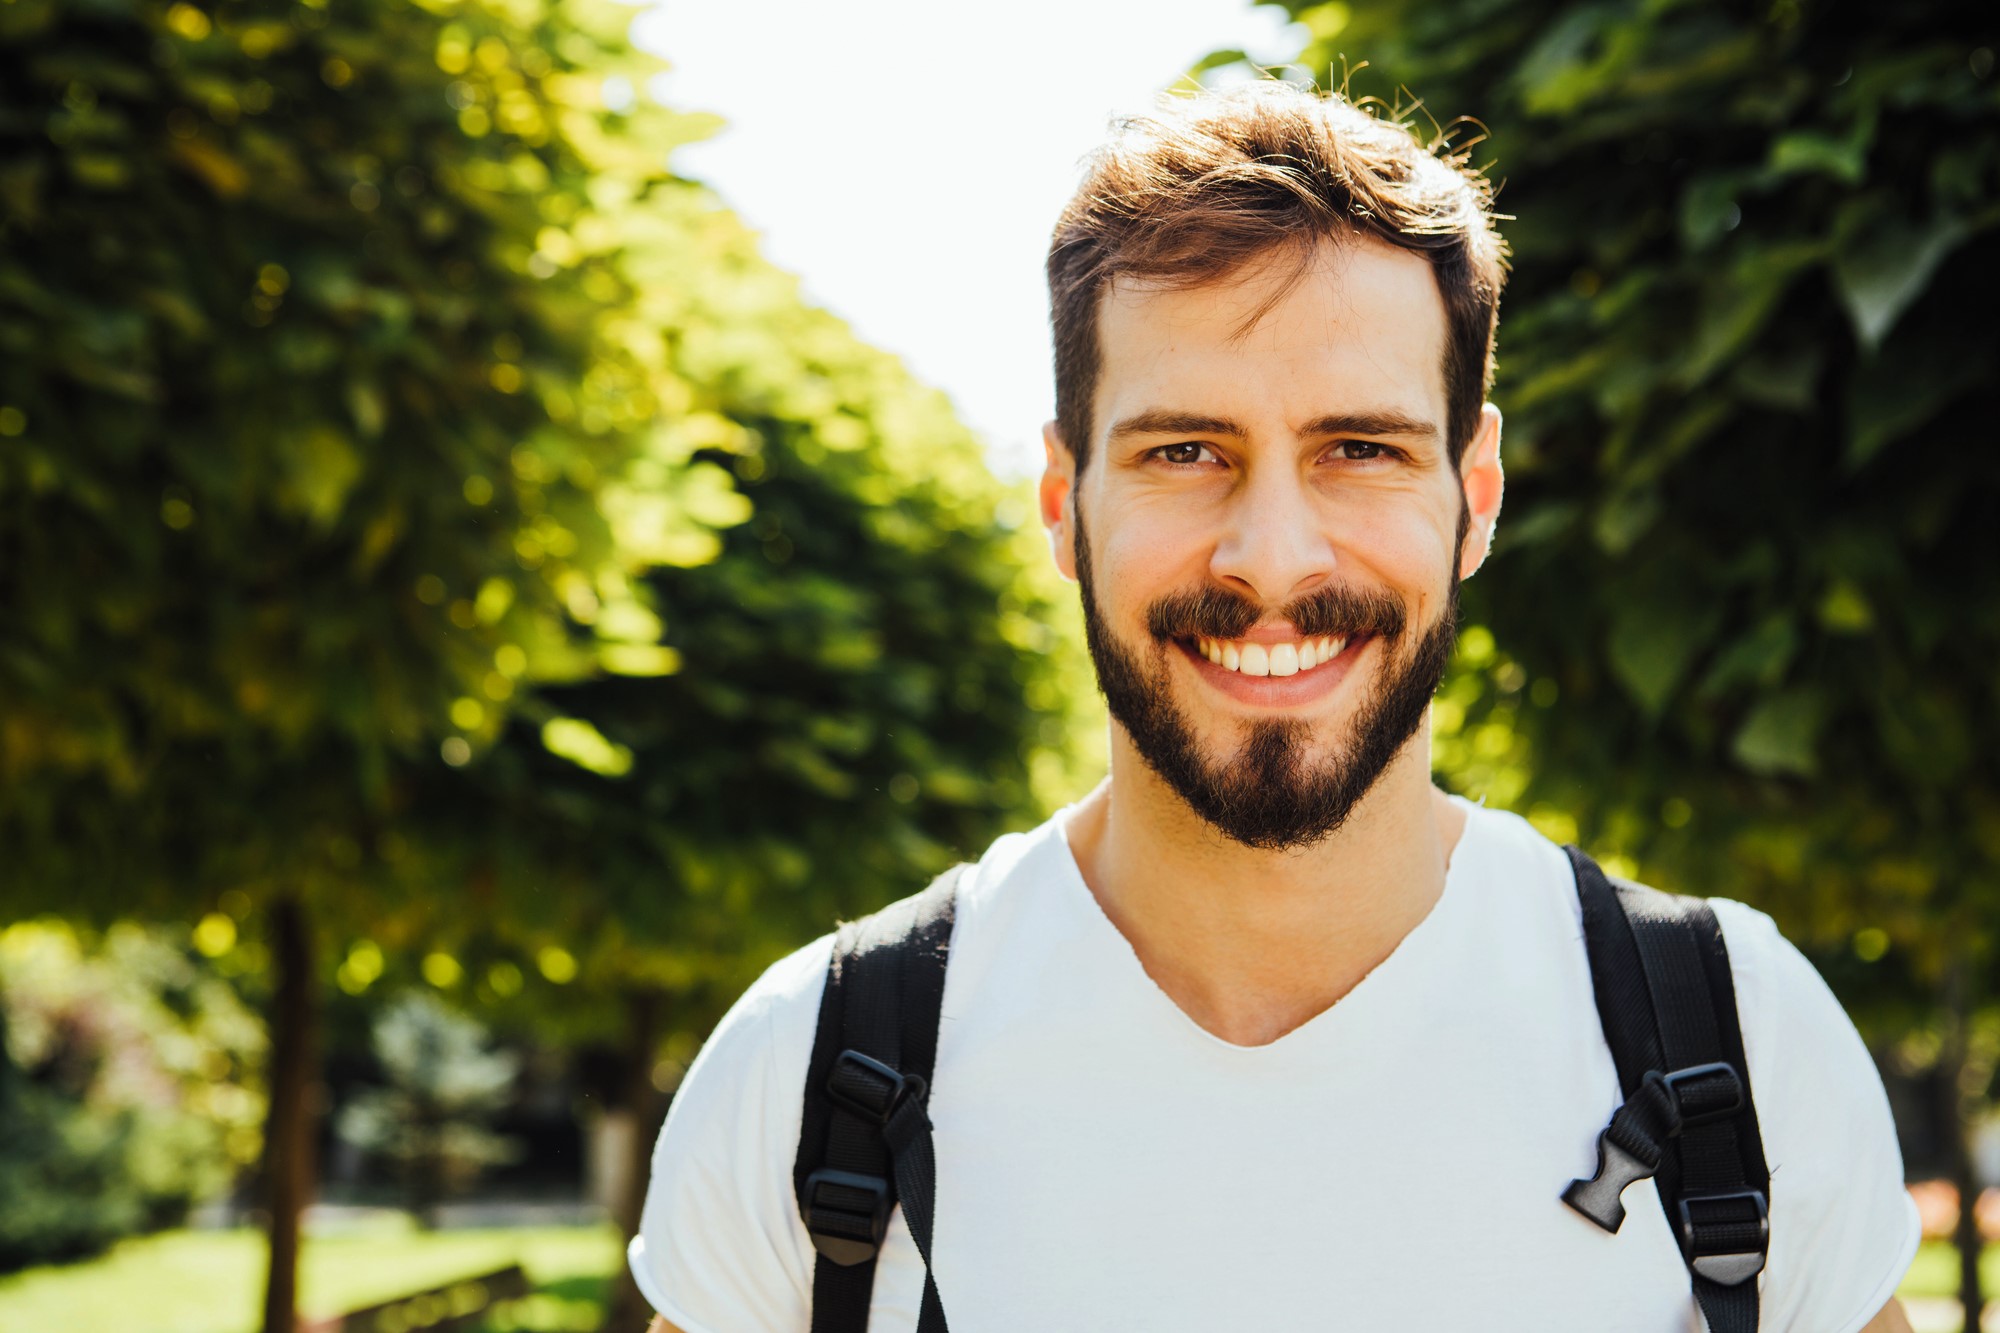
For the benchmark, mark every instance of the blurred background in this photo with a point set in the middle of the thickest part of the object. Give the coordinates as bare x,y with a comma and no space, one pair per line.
514,514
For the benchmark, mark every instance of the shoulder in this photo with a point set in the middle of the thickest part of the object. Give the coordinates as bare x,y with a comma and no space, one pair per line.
1518,870
760,1047
773,1023
1792,1023
1843,1227
1506,842
717,1246
772,1007
720,1243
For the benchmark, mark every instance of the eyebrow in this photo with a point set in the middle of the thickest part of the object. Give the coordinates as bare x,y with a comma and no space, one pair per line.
1165,421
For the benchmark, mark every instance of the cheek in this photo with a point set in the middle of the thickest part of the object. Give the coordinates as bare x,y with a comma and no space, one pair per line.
1402,547
1141,557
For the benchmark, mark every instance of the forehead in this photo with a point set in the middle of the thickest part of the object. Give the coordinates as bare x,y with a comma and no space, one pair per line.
1362,329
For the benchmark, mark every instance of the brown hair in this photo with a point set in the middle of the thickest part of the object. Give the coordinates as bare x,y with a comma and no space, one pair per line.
1189,194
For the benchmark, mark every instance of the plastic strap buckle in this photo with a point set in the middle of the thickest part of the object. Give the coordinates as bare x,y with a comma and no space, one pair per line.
1700,1094
847,1214
868,1088
1716,1231
1631,1146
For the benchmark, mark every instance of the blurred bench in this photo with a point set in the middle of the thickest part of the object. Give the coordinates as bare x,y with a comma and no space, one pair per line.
452,1307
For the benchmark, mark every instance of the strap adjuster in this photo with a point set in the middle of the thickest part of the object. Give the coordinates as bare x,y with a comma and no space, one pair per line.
847,1212
847,1215
1700,1094
1724,1237
868,1088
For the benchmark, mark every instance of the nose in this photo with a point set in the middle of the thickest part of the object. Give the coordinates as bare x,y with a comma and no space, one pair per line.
1274,543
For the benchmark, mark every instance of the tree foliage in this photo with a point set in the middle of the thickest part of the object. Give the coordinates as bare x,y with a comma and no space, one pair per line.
1747,364
324,409
425,270
871,676
128,1087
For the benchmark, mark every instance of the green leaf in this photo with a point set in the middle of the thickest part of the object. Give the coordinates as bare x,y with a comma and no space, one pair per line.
1737,303
1709,209
1883,266
321,467
1623,518
1785,377
1652,646
1732,312
585,746
1844,609
364,405
1544,523
1579,56
1904,387
1758,658
1779,736
1808,151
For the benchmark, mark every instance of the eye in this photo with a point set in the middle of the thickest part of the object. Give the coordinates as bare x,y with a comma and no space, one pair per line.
1363,451
1185,454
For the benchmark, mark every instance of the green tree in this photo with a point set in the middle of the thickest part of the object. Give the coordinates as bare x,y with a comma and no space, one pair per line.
444,1084
1747,363
127,1089
325,424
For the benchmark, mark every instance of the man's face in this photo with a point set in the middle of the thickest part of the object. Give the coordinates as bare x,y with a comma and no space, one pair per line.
1270,532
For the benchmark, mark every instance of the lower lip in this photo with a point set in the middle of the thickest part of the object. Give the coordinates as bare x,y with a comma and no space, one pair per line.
1278,691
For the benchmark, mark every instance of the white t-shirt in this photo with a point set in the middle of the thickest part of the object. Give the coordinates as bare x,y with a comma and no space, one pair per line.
1395,1163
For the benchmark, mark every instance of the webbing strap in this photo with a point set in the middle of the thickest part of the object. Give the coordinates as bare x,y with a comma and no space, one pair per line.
1660,971
865,1139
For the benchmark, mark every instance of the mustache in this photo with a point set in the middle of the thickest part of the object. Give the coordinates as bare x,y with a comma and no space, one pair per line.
1218,613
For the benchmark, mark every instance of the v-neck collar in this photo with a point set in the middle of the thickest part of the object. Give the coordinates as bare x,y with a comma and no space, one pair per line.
1103,939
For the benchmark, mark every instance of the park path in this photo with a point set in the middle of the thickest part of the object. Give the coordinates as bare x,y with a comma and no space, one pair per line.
1942,1314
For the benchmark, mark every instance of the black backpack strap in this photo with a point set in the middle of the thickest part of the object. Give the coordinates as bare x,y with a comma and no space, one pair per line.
865,1142
1668,1005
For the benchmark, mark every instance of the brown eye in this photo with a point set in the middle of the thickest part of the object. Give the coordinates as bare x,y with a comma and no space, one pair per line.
1180,453
1361,449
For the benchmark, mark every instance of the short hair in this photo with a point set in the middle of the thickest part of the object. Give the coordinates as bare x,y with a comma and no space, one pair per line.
1189,194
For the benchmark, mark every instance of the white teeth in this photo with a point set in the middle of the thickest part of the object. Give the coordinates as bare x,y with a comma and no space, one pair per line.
1274,659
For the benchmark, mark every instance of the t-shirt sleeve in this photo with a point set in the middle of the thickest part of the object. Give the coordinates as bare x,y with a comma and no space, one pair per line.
1843,1227
720,1247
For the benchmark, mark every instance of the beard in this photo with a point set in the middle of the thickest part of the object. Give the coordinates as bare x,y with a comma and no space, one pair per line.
1269,795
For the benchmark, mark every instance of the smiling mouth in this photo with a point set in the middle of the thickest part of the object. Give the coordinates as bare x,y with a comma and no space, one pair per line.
1287,658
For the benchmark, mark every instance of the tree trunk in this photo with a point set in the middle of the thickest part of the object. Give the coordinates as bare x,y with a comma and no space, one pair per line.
288,1128
629,1311
1958,1107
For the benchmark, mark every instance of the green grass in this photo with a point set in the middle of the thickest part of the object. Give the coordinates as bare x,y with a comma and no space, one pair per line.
212,1281
1934,1272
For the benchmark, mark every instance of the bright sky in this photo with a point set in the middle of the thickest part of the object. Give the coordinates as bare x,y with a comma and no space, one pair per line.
907,158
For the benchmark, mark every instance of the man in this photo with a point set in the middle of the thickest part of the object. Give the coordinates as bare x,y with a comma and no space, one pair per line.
1267,1032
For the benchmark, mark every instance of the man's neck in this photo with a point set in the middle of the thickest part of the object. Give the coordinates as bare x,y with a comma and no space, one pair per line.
1251,944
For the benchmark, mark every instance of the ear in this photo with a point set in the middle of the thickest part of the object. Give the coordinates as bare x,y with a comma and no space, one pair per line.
1479,472
1058,497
